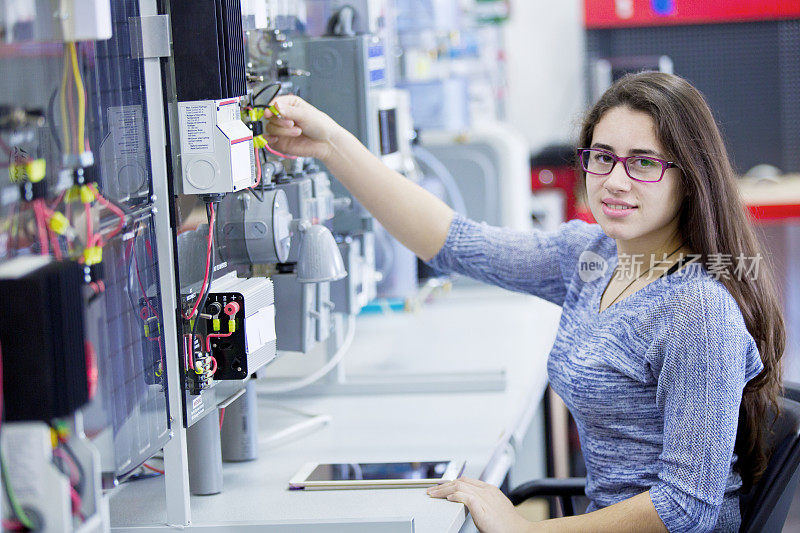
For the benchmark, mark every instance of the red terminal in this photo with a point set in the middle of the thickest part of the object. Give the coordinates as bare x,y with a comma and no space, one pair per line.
232,308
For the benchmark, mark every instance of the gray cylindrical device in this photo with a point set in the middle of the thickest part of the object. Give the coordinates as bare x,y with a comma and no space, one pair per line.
205,455
239,433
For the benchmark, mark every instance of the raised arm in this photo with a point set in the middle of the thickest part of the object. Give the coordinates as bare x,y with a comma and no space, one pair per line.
534,262
414,216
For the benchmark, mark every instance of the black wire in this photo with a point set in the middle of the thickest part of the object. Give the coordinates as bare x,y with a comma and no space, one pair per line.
257,196
81,473
51,121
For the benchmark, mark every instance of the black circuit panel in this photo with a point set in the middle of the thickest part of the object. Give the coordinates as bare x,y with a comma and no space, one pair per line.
229,351
208,49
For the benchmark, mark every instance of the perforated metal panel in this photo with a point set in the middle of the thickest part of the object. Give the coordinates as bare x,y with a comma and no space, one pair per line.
749,72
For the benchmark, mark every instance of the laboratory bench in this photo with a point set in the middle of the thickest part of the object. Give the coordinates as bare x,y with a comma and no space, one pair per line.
498,433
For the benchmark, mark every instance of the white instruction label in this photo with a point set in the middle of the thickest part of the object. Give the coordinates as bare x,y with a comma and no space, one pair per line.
197,126
126,124
260,328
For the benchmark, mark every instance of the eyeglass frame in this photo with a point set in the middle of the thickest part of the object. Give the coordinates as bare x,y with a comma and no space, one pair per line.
665,165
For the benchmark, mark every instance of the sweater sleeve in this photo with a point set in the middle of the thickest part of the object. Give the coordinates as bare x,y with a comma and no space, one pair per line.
533,261
708,358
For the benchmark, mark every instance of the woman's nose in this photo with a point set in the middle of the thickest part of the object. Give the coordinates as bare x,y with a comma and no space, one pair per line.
618,180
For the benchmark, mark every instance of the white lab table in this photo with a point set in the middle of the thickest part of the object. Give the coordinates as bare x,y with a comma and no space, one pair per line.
470,329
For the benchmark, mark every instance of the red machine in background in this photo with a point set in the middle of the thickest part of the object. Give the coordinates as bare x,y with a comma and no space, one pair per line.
599,14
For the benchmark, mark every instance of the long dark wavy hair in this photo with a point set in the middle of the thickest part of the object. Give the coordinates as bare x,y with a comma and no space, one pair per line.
713,220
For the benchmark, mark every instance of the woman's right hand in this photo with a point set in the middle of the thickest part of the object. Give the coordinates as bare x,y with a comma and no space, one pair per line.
303,131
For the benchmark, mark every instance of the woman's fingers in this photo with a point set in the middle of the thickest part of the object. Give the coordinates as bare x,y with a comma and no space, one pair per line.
470,500
455,485
449,487
279,130
283,122
475,482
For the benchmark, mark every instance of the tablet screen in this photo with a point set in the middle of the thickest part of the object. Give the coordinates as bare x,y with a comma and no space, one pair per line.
377,471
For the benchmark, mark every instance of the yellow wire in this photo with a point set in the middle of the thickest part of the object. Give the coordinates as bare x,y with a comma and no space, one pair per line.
81,98
64,122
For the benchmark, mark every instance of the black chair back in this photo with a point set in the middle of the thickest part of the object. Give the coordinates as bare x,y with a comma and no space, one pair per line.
765,507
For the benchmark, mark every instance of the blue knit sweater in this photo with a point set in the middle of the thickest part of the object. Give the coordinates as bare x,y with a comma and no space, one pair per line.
654,382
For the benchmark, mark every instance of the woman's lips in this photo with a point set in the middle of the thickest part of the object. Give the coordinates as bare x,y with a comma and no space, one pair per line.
617,211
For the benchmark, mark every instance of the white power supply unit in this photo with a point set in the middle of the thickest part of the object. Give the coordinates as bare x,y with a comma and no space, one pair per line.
216,153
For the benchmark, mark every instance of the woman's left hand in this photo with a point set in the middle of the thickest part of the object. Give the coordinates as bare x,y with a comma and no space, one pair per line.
491,511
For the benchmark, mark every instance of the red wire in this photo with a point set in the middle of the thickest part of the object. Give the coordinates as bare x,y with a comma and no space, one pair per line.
221,416
154,469
91,368
76,500
41,226
74,476
87,208
214,367
188,360
111,207
215,336
208,262
58,199
47,213
258,168
55,245
275,152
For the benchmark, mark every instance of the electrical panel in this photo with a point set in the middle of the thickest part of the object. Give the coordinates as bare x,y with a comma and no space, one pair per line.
77,198
153,235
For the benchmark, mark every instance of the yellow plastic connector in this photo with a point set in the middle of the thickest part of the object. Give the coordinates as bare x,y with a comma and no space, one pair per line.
73,195
33,170
259,141
215,323
152,331
58,223
87,195
92,255
231,326
36,170
255,114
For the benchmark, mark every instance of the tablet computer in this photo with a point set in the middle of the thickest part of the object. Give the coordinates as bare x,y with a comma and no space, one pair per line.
375,475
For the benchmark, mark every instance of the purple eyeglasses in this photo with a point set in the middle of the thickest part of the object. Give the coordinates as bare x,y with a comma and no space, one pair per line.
638,167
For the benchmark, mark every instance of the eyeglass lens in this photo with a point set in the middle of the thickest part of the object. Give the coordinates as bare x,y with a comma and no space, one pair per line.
640,167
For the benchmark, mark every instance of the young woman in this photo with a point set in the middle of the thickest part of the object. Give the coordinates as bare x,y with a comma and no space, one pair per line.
668,351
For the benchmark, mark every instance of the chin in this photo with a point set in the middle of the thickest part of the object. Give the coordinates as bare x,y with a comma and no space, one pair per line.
618,229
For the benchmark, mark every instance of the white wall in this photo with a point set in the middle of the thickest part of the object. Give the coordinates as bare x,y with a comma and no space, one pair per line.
545,55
